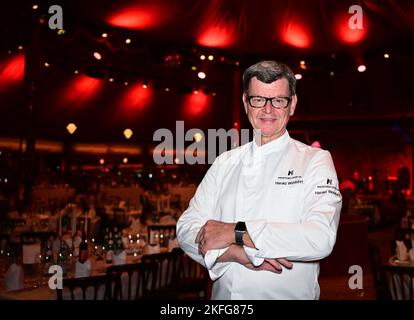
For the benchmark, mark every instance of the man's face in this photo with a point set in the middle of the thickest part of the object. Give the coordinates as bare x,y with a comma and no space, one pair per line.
271,121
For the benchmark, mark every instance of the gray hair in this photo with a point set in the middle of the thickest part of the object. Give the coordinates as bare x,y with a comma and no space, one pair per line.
268,72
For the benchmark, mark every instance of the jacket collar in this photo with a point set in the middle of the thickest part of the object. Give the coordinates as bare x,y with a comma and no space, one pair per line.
272,146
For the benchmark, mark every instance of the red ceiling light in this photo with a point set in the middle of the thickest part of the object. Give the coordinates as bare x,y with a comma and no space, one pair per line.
348,35
81,89
12,71
144,16
296,35
137,98
196,105
217,36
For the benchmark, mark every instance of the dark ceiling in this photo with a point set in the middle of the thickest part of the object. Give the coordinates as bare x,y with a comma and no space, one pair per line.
167,39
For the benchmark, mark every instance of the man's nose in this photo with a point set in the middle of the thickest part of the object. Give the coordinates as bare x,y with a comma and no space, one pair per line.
268,108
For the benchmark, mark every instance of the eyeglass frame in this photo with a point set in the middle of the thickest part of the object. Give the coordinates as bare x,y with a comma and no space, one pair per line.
289,99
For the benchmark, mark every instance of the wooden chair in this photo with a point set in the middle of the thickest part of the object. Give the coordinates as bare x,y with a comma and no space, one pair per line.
120,218
400,282
164,233
378,273
33,237
140,281
167,276
95,282
193,279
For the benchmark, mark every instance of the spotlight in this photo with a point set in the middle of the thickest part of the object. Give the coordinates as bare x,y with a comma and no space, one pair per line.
128,133
128,41
101,161
201,75
202,57
386,55
35,6
125,160
71,127
167,89
97,55
303,64
298,76
193,68
362,68
126,83
111,79
104,35
210,57
198,136
76,72
195,91
47,64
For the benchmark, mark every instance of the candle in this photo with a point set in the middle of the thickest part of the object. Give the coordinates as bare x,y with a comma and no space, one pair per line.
73,220
86,224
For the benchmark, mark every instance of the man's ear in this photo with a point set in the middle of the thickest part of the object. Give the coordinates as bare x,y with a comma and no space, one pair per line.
244,98
293,103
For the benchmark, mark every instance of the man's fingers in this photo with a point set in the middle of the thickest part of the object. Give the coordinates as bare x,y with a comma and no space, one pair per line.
199,234
284,262
273,263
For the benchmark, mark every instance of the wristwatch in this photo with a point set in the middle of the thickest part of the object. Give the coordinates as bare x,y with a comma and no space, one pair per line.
239,231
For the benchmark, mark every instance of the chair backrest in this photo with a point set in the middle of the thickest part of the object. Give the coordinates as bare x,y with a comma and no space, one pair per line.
96,282
140,281
400,282
192,278
33,237
351,247
378,273
120,218
168,264
164,232
403,234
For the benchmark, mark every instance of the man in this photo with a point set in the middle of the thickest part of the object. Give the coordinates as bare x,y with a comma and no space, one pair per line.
266,212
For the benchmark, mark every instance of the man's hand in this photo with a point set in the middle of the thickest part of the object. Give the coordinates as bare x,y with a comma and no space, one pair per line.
237,254
215,235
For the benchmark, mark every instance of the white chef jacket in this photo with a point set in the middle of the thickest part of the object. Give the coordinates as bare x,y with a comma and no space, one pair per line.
287,193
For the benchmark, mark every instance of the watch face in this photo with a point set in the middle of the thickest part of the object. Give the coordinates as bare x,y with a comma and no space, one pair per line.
240,226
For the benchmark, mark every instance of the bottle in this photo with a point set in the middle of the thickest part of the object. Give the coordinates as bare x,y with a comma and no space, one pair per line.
110,248
48,253
83,249
62,258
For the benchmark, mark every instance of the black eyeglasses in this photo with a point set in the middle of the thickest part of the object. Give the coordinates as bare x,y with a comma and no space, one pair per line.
276,102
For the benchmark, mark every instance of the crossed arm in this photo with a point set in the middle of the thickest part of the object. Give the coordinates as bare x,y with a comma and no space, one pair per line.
217,235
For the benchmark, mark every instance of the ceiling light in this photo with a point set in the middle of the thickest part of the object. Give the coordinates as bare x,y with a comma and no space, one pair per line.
97,55
128,133
71,127
362,68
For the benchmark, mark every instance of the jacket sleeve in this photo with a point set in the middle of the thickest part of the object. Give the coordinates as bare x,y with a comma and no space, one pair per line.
201,209
314,237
